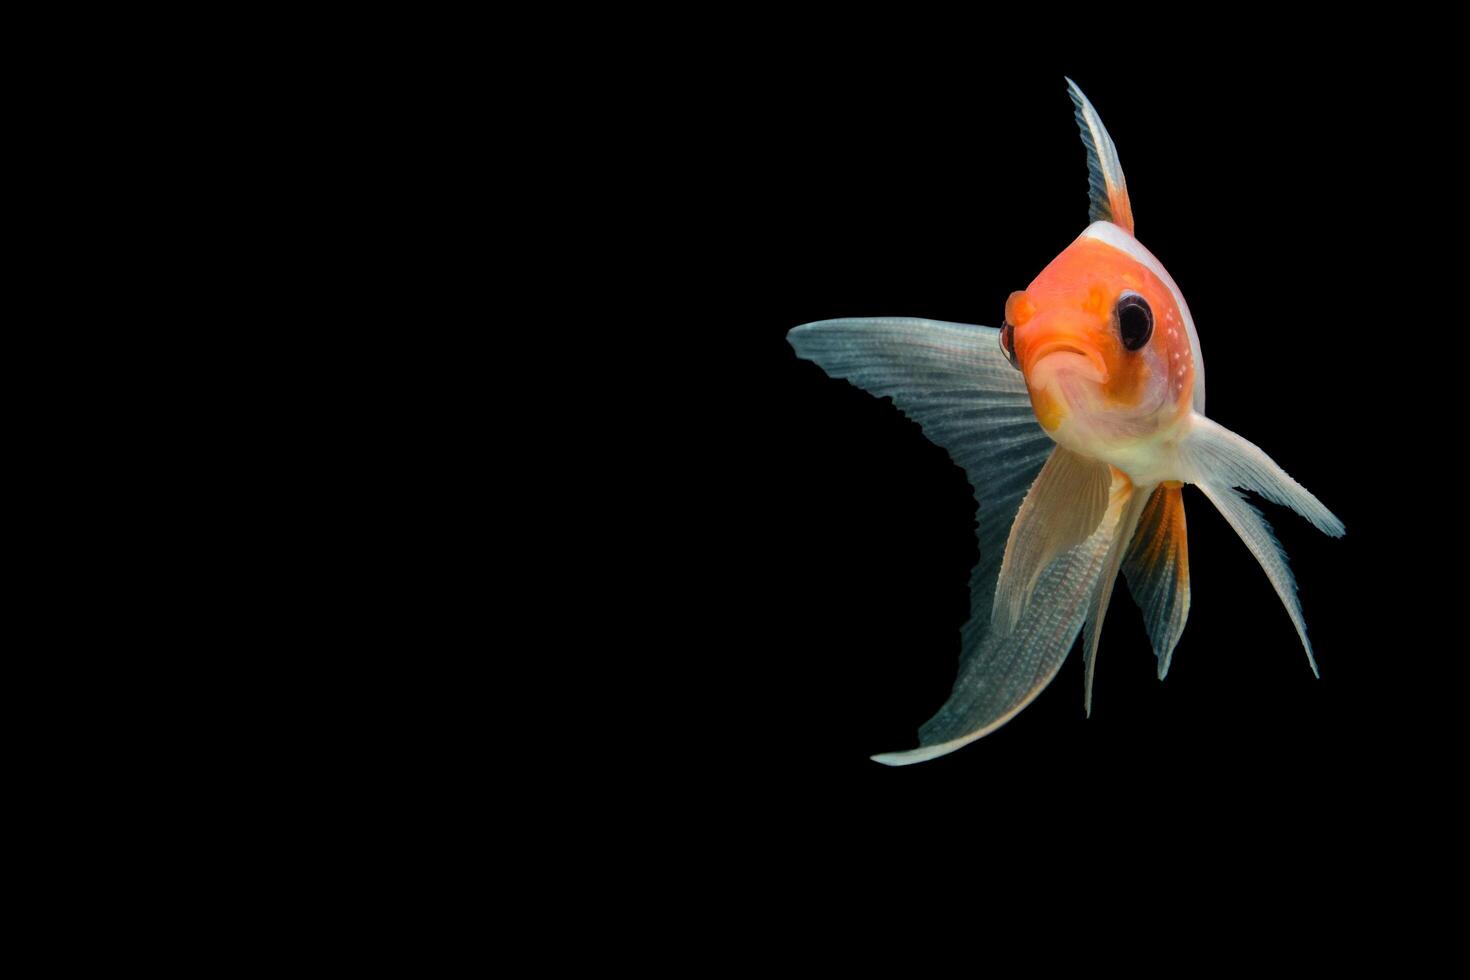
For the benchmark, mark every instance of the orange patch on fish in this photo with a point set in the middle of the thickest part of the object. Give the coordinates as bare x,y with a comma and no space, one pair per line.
1096,302
1048,407
1075,297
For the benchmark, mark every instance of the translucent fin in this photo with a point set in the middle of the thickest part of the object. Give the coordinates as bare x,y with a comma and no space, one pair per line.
1005,671
954,381
1256,534
1107,190
1061,510
1215,455
1157,567
1132,505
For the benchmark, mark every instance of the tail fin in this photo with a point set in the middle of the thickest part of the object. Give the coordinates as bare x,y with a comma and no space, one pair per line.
953,380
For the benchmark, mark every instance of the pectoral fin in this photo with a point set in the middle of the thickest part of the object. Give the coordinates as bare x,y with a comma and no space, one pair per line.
1217,460
1061,510
1256,534
1132,503
1214,455
1005,671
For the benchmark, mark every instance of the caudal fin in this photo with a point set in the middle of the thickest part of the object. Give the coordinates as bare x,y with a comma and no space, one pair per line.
953,380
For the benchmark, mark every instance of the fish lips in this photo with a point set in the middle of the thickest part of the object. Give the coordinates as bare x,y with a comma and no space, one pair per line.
1056,358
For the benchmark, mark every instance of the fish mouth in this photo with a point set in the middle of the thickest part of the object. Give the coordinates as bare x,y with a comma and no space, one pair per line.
1086,363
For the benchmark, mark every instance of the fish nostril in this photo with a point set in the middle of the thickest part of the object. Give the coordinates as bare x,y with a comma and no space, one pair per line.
1019,308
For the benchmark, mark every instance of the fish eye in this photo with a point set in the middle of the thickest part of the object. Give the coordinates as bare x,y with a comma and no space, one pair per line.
1008,344
1135,320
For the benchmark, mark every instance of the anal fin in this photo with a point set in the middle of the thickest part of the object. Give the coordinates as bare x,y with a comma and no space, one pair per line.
1157,569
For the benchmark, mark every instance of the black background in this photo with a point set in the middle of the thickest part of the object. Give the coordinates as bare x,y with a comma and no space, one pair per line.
828,544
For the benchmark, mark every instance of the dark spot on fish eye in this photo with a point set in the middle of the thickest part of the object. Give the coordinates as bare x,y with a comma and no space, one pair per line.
1008,344
1135,320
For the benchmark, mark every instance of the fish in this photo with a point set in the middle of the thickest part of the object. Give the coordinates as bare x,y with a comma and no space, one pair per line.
1078,422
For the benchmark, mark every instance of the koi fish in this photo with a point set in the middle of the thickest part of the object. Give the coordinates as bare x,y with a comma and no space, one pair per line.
1078,423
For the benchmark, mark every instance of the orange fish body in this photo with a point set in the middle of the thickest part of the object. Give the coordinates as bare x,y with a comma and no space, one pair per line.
1064,324
1078,422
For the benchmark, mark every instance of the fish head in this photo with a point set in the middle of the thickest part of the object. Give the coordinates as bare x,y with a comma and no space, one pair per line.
1104,346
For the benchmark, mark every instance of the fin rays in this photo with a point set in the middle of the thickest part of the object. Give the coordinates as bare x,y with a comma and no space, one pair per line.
1256,533
1221,458
1006,670
1062,509
1132,507
1107,191
954,381
1157,569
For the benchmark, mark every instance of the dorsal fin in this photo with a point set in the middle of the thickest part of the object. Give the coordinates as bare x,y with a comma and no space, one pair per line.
1106,187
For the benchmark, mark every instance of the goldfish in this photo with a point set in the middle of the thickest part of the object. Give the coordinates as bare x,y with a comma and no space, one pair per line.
1078,423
